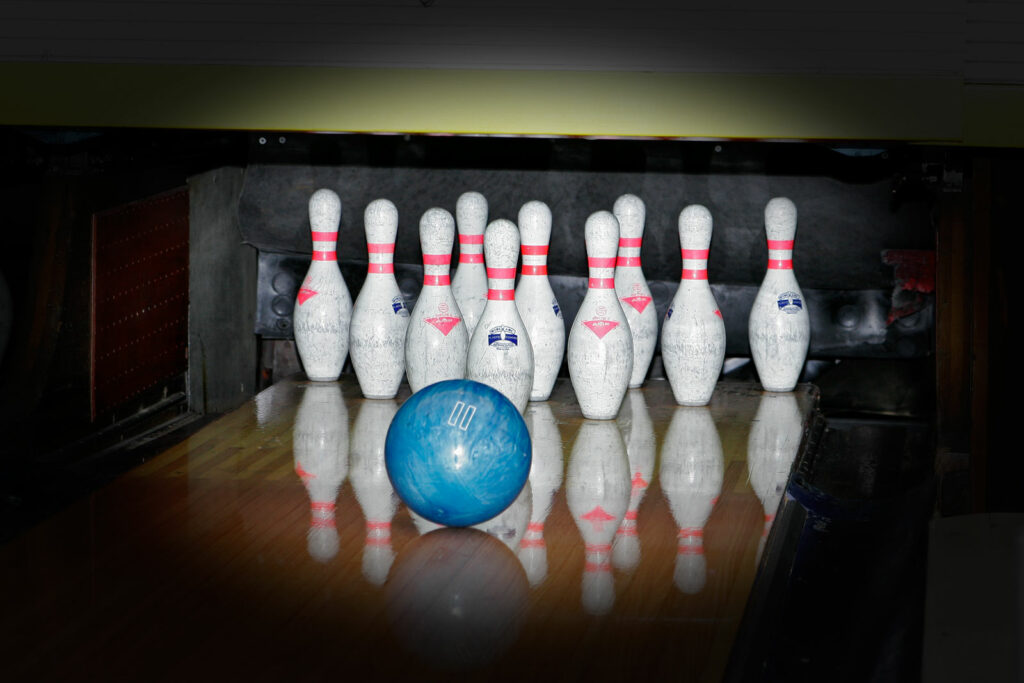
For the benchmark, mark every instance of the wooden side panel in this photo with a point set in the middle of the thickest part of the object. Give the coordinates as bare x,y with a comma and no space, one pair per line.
139,298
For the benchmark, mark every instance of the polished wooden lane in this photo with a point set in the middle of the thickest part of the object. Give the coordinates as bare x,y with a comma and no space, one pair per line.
231,555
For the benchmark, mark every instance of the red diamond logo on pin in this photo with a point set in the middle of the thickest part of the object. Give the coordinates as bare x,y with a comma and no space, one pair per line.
638,481
638,302
601,327
303,474
718,313
306,294
597,518
444,323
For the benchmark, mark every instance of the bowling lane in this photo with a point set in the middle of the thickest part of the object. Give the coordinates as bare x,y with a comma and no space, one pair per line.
269,545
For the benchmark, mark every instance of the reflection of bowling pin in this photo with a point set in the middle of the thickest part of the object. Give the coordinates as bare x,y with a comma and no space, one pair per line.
508,526
379,316
600,344
323,307
545,480
693,334
638,434
500,354
536,300
772,445
320,448
597,491
372,487
692,467
469,285
779,327
631,286
435,344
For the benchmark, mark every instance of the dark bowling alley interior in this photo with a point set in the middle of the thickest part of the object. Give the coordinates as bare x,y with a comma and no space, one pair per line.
179,502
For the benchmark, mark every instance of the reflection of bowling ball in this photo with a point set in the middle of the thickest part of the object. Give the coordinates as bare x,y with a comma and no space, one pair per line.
458,452
456,598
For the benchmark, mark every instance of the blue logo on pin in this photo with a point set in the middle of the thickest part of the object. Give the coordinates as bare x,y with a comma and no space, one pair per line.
502,337
790,302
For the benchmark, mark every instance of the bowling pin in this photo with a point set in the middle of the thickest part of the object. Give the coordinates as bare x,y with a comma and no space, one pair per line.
500,354
320,450
772,445
779,327
638,434
436,341
323,307
536,300
631,286
597,491
692,469
379,316
469,285
600,344
693,334
372,487
545,480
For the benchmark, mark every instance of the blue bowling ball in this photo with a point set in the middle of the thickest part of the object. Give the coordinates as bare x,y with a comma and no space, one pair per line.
458,452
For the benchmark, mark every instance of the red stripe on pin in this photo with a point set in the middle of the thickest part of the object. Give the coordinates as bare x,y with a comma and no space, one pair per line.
381,248
535,250
325,256
437,259
536,527
780,244
690,550
382,268
471,258
695,253
628,261
601,283
780,264
689,274
627,531
532,543
630,241
471,239
501,273
322,507
436,280
691,532
535,270
324,236
597,547
601,262
377,526
501,294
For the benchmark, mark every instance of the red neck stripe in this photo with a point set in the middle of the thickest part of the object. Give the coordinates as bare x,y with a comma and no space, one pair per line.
780,264
436,280
382,268
437,259
689,274
601,262
628,262
630,241
501,294
695,253
325,256
471,239
324,236
501,273
780,244
381,248
601,283
535,270
535,250
470,258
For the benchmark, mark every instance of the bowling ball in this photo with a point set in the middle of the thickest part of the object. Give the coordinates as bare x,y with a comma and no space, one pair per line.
458,452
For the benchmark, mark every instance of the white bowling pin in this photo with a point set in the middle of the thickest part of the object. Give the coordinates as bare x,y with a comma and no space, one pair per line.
536,300
692,469
779,327
597,491
600,344
500,354
436,341
631,286
638,434
693,334
545,480
320,449
772,445
372,486
469,284
379,316
323,307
